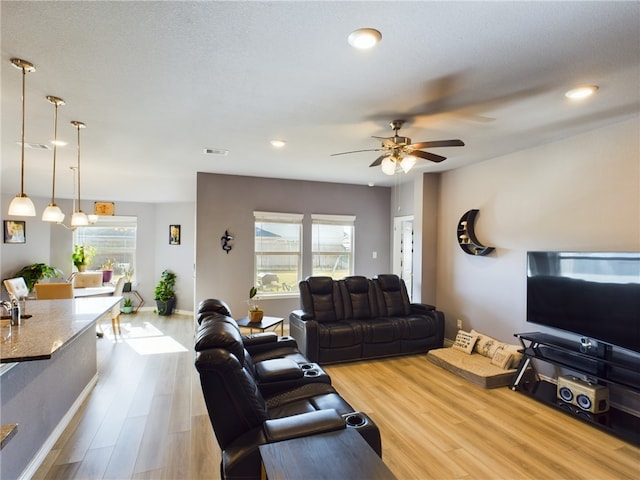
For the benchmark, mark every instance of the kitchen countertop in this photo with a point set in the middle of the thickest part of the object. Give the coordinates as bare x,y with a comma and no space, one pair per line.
53,324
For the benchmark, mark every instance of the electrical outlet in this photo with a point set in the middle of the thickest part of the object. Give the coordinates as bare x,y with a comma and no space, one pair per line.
459,324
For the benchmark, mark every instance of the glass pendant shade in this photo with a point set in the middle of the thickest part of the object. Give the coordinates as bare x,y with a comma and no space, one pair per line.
92,218
407,163
79,219
52,214
22,206
388,166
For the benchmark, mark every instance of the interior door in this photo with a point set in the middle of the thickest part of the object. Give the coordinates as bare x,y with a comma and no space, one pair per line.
403,250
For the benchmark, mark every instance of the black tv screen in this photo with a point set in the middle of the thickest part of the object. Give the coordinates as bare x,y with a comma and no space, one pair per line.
592,294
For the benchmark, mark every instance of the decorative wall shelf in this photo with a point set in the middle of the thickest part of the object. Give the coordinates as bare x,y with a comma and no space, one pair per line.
466,236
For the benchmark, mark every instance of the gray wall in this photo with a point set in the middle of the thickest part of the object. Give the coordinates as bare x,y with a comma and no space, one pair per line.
227,202
581,193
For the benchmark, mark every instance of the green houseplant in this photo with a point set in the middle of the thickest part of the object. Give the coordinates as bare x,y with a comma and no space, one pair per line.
127,306
164,293
82,256
255,312
35,272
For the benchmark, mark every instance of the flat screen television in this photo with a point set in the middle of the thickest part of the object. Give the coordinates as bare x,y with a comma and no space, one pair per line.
591,294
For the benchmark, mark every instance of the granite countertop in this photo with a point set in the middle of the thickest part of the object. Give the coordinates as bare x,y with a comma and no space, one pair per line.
6,433
53,323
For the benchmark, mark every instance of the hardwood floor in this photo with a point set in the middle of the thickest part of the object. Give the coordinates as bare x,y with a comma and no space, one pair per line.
146,419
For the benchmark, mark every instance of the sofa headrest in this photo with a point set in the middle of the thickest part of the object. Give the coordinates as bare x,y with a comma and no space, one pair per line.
320,285
210,306
389,282
219,331
357,284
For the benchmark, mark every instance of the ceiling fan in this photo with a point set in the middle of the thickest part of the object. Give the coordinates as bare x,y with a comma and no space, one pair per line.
399,151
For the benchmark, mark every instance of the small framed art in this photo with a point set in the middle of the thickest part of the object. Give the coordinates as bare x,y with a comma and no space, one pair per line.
174,234
104,208
15,231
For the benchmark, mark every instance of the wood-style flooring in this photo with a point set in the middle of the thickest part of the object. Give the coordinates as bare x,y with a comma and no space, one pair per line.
146,419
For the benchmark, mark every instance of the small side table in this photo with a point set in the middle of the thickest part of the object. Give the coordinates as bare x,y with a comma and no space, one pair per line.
266,322
338,454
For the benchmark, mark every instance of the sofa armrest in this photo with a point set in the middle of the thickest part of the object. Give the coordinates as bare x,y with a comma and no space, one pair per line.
272,344
277,369
421,308
301,315
259,338
305,330
302,425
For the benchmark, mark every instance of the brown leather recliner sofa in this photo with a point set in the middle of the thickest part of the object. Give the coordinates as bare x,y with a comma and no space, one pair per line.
358,318
259,389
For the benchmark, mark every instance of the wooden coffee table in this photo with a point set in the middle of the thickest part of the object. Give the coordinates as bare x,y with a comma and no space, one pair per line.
332,455
266,322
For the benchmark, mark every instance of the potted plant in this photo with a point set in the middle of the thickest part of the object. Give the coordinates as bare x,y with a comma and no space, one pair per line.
35,272
82,256
128,276
255,312
127,306
164,293
107,270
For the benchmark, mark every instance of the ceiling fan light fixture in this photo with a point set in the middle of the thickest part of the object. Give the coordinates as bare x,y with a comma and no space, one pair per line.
581,92
364,38
407,163
388,166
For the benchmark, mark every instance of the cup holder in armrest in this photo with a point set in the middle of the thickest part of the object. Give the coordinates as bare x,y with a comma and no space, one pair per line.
306,366
311,372
355,420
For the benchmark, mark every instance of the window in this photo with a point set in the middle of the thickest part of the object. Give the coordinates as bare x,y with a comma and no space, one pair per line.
278,252
114,238
332,245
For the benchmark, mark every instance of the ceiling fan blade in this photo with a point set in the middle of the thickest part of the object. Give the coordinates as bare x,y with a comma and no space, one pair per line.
428,156
378,160
356,151
438,143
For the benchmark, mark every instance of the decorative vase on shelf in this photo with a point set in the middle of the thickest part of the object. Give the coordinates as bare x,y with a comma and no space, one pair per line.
255,316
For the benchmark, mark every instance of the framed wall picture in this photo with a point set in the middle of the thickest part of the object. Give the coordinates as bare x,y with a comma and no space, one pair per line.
15,231
174,234
104,208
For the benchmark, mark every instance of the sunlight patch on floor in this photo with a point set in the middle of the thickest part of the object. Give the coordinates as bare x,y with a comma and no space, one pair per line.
145,339
155,345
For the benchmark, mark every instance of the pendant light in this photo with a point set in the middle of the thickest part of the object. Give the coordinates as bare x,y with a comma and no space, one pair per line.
79,218
21,205
53,213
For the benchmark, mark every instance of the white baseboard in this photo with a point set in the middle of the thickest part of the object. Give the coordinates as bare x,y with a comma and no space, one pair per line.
39,457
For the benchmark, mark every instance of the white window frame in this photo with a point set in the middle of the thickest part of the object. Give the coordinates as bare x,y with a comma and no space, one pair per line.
341,220
111,221
279,217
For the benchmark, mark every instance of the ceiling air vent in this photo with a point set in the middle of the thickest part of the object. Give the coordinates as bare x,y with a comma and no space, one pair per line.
216,151
35,146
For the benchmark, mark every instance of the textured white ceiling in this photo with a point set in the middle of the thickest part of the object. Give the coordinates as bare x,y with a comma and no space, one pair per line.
158,82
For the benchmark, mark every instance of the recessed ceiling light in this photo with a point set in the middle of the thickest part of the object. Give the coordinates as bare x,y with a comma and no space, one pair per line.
581,92
364,38
278,143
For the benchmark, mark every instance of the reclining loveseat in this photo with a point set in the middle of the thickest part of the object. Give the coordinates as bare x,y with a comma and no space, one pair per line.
273,396
358,318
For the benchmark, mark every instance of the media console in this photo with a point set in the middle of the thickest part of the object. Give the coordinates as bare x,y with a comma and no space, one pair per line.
599,365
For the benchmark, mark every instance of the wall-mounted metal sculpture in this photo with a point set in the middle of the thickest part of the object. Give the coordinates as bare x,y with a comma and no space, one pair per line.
224,241
467,237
